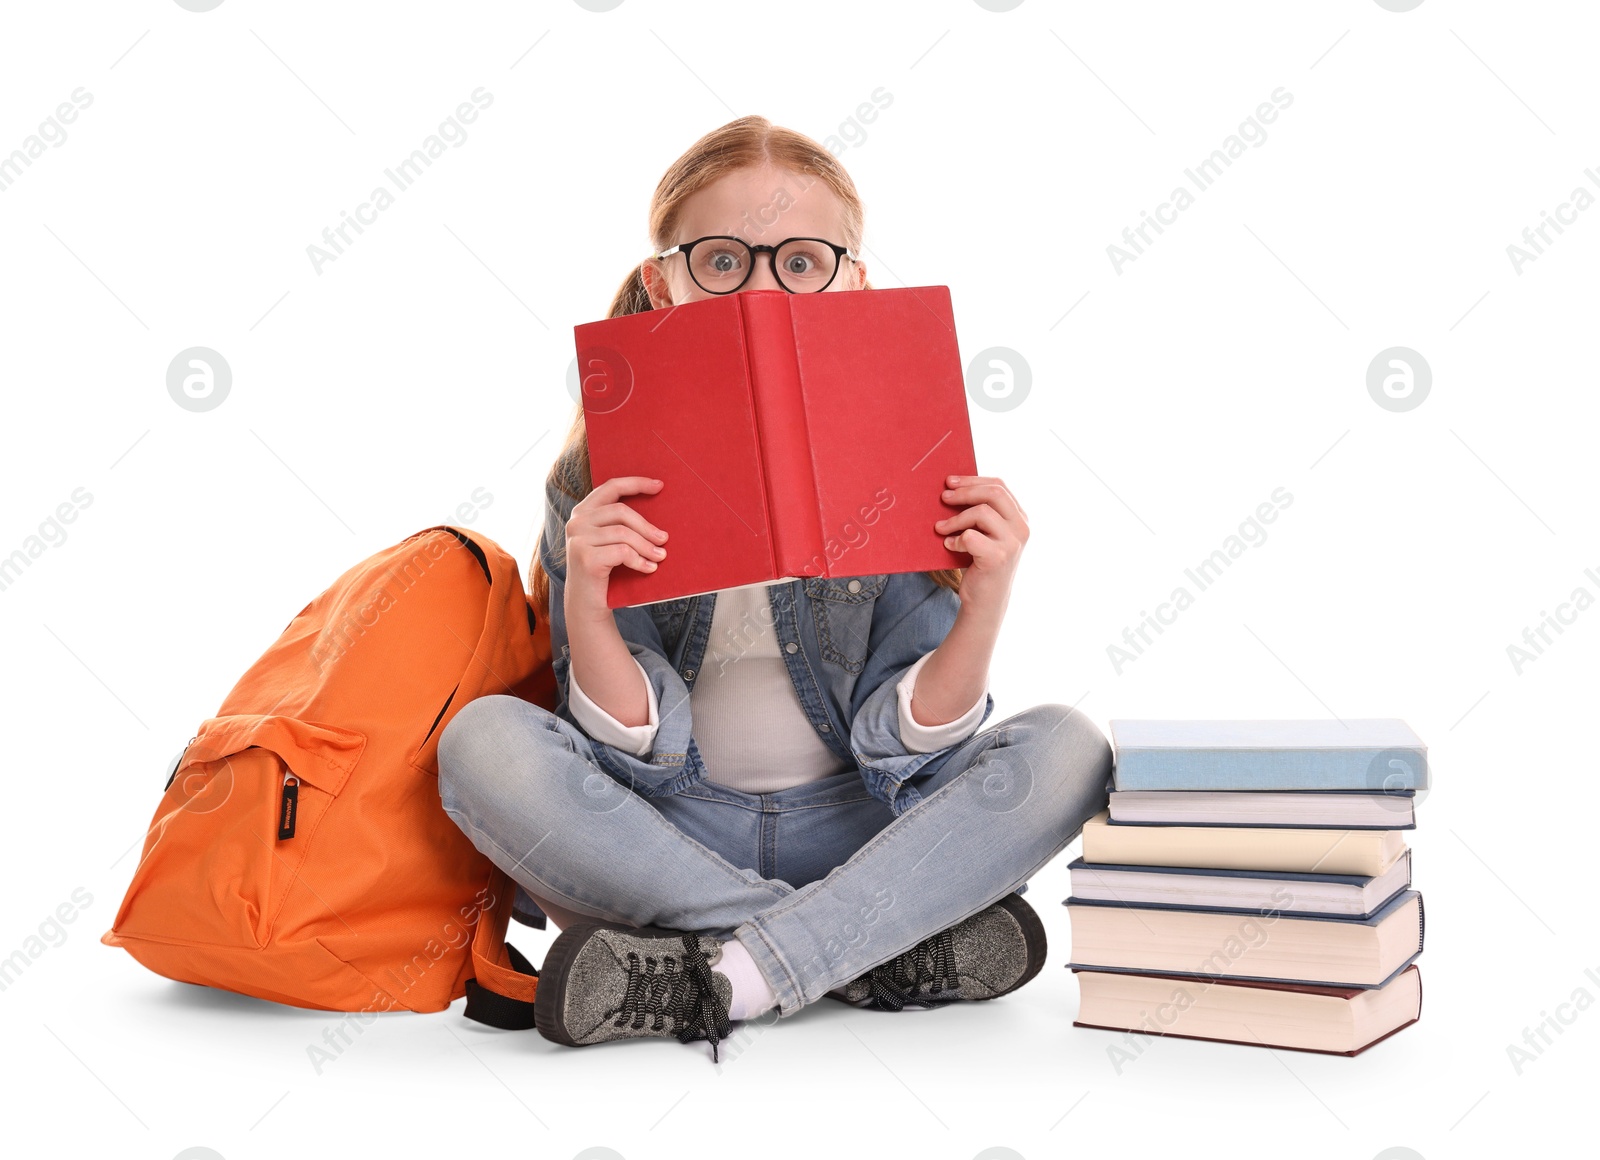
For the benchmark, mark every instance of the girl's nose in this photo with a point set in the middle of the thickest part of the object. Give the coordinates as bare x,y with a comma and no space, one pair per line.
761,278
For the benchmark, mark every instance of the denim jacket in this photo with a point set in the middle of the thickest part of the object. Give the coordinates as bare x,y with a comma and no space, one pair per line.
846,642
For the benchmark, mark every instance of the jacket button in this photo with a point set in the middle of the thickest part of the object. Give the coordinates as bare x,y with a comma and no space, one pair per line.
854,586
688,674
791,647
825,727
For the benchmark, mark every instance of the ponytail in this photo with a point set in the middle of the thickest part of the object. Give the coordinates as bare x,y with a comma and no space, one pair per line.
631,297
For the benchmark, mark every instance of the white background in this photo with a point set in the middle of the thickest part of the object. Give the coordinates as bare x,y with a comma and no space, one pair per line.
1168,400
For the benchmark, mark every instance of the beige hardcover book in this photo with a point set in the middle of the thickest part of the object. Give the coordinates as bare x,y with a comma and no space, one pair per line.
1327,952
1364,852
1340,1020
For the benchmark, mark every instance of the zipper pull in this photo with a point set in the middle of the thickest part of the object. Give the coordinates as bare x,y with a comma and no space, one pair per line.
288,806
172,770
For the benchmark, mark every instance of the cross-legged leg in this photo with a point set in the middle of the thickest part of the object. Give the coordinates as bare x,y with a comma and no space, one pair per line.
523,785
995,810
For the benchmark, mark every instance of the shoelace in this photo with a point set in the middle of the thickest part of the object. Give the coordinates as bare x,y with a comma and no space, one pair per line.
893,985
678,987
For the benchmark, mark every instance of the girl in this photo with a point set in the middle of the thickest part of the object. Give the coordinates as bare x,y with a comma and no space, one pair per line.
757,797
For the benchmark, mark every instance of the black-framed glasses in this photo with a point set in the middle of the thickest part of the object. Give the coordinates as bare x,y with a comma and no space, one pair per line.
721,263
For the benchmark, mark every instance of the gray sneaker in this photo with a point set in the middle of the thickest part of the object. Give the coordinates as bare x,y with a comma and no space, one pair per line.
603,981
990,954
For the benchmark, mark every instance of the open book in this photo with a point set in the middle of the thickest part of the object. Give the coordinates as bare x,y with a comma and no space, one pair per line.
796,435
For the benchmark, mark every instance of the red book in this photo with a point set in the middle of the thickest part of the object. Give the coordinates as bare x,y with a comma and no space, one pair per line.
795,434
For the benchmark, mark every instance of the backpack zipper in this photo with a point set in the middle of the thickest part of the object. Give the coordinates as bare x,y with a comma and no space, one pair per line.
177,761
288,806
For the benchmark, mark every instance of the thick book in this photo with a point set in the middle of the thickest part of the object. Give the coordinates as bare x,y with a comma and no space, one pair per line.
1305,809
1331,1020
796,435
1326,951
1376,754
1239,891
1300,851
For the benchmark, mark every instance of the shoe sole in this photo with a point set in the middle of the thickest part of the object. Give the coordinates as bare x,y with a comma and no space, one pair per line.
1035,947
557,965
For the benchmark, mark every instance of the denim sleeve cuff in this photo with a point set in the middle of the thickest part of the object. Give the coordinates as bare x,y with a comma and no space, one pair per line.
928,738
603,727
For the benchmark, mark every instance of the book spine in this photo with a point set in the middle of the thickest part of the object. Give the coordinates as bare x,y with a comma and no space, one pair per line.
783,439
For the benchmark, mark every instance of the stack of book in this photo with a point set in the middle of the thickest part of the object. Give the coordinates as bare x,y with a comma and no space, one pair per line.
1251,883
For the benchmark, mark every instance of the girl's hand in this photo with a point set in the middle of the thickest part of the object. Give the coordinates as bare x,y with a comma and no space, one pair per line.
992,530
604,533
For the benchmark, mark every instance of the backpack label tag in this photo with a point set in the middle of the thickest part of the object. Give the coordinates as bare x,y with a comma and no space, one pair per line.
288,807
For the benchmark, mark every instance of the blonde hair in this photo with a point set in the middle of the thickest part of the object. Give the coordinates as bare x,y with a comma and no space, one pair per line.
745,143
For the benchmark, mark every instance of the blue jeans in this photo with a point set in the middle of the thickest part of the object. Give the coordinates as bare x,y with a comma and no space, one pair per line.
820,882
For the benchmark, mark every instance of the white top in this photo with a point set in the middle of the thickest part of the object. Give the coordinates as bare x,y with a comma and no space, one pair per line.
749,725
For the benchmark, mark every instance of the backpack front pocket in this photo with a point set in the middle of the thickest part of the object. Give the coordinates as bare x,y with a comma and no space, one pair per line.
235,824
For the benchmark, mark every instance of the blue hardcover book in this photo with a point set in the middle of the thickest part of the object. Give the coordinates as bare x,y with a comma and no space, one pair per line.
1378,755
1326,951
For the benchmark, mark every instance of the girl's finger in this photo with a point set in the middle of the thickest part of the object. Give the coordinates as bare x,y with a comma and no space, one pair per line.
622,513
980,516
993,492
971,541
620,485
608,534
615,555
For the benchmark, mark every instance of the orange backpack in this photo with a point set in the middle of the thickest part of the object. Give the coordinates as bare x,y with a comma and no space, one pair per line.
300,852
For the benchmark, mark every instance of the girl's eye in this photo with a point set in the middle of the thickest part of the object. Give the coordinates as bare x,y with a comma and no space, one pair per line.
798,264
723,261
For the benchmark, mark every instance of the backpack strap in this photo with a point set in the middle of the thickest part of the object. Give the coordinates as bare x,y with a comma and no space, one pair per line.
501,993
